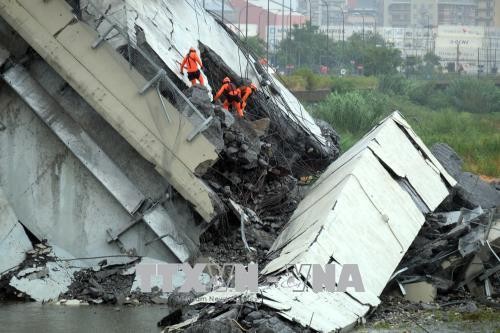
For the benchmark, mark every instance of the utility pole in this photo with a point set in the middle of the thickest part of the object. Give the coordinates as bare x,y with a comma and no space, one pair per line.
283,26
478,69
343,26
327,29
310,14
290,30
363,17
275,61
267,36
428,33
246,23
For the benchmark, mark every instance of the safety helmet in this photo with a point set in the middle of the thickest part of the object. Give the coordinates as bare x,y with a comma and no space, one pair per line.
192,49
226,80
253,86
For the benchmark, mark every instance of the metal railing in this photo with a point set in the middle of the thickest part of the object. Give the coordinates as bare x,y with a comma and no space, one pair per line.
118,22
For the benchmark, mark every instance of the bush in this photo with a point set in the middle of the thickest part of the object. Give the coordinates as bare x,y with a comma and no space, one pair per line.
312,81
472,95
420,93
295,82
393,84
350,83
354,112
428,94
320,82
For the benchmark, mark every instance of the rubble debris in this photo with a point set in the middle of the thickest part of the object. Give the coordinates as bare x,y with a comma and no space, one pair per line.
452,252
420,292
106,285
298,150
471,189
348,215
41,276
445,314
250,171
245,314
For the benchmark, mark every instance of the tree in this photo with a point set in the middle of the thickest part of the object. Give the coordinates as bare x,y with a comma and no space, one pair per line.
305,48
257,46
431,58
374,53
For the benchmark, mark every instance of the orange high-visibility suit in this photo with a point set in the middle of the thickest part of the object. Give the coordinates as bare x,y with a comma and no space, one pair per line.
190,63
246,91
233,97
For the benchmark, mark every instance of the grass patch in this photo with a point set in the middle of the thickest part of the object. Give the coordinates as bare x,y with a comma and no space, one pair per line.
474,136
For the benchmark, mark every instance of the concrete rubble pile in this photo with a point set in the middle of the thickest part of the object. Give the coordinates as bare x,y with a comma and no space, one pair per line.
389,165
456,251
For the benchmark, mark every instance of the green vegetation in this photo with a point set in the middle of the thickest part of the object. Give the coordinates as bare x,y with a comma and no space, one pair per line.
356,111
473,95
465,114
437,114
305,79
308,47
257,45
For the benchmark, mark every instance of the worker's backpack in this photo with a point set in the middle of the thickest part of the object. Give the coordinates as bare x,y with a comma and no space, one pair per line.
231,88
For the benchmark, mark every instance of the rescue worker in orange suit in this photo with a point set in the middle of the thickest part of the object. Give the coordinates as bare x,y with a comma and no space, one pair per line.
232,95
190,63
246,91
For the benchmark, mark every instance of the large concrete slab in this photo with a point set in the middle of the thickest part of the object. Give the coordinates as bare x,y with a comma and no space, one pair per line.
75,138
98,162
366,209
104,79
55,196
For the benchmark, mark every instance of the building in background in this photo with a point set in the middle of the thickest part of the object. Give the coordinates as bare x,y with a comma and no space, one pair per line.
280,19
419,13
369,8
463,33
485,13
317,9
457,12
496,13
410,13
217,6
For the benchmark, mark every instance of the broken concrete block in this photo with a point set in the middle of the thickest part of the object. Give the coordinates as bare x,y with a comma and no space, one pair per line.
494,233
448,158
472,241
261,126
471,188
225,117
476,191
248,158
232,150
468,307
420,292
50,281
72,302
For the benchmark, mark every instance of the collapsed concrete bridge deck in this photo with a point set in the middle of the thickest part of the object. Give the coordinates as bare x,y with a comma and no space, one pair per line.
99,159
120,146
